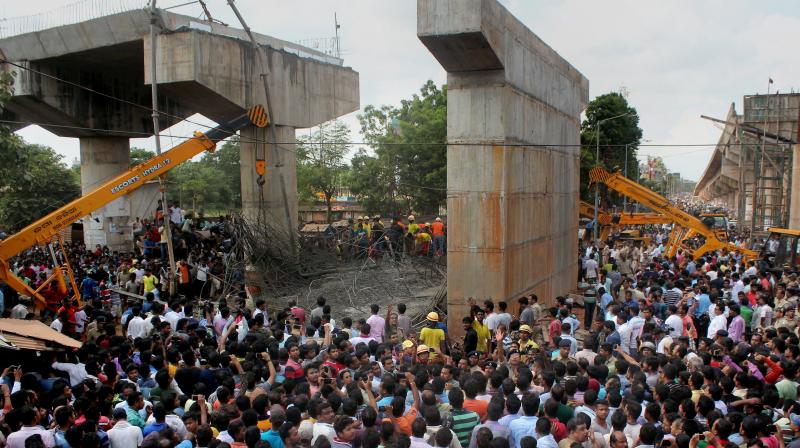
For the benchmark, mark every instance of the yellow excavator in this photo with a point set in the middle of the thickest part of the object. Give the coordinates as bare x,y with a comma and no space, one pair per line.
685,226
787,252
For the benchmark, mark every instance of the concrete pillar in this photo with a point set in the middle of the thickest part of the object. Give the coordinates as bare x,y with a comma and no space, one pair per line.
512,209
101,159
269,198
794,195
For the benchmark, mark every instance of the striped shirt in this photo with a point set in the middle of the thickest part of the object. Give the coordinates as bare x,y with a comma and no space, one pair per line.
672,296
462,422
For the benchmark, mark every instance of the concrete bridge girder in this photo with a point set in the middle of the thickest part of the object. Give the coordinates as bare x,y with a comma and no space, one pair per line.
41,97
220,76
204,68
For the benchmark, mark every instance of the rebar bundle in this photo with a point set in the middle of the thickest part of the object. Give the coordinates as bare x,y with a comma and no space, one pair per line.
261,257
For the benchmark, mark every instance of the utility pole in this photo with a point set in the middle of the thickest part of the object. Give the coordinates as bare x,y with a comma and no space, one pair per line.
162,180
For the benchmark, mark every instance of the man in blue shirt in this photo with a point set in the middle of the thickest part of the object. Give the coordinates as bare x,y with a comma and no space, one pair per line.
605,299
273,437
703,302
525,425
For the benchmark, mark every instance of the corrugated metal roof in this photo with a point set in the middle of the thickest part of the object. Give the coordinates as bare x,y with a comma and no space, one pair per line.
22,342
32,335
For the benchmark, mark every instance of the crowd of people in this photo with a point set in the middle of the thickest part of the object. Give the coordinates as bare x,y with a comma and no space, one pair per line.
679,353
370,238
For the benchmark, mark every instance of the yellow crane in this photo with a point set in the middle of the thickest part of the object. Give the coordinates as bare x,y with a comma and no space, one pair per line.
45,231
684,226
610,222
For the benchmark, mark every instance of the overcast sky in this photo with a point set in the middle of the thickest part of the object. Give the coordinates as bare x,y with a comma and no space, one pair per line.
676,59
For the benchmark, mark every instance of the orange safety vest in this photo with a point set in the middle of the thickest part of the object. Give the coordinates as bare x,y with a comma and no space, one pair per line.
437,228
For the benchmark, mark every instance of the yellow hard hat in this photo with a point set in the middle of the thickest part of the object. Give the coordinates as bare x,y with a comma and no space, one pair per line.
433,316
526,329
407,344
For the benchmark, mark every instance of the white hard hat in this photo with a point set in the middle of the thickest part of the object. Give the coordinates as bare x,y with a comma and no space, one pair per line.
410,217
438,219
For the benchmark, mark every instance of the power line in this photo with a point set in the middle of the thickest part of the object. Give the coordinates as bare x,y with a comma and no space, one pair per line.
256,140
106,95
359,143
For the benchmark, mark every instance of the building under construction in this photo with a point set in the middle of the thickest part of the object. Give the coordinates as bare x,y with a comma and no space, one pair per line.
750,172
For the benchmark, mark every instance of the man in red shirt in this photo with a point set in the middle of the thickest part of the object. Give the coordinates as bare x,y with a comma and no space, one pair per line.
555,326
297,312
479,407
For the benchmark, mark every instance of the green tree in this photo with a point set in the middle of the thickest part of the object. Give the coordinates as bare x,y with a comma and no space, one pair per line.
374,182
409,144
321,166
614,134
139,156
33,178
39,184
211,183
11,145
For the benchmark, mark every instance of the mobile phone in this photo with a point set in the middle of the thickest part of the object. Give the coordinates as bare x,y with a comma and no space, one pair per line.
296,326
381,408
196,397
327,380
13,367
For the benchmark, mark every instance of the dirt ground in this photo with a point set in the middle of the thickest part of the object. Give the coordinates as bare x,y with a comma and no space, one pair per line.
356,285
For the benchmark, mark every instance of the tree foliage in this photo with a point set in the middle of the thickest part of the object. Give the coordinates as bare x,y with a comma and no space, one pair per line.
407,169
211,184
139,156
33,178
321,166
39,183
614,134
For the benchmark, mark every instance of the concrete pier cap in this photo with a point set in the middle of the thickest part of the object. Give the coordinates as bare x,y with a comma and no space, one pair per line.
202,67
513,103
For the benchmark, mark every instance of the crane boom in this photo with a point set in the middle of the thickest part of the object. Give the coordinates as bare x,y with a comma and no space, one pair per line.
45,229
611,221
685,224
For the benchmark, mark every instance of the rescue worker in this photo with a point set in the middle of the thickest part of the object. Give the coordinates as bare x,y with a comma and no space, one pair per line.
378,233
348,241
438,233
411,233
396,232
361,239
423,239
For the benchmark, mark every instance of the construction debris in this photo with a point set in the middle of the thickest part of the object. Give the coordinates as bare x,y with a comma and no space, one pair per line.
260,253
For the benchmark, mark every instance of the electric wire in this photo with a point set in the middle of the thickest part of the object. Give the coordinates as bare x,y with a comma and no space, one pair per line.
372,144
260,141
282,145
